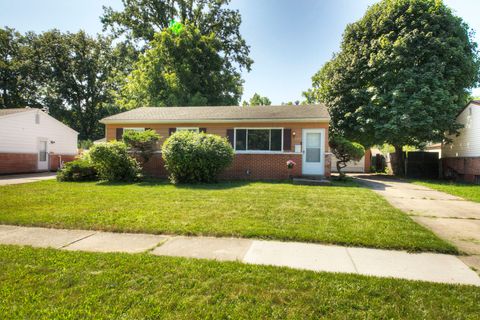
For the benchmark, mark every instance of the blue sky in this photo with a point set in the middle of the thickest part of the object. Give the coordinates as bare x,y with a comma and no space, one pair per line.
290,39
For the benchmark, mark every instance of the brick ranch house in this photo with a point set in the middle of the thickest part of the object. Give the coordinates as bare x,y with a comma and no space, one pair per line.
32,141
264,137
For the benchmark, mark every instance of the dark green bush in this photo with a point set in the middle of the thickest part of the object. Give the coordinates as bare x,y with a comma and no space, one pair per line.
78,170
196,157
113,163
141,143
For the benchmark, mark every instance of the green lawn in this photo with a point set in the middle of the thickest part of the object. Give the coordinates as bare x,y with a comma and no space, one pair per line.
55,284
343,214
467,191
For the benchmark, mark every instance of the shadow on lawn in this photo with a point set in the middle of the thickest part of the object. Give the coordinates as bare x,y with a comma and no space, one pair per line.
221,185
149,182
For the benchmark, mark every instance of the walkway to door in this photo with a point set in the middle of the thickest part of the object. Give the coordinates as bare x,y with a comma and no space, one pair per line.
450,217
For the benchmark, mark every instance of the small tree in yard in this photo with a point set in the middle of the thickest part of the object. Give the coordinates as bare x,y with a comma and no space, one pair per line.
403,72
141,143
345,151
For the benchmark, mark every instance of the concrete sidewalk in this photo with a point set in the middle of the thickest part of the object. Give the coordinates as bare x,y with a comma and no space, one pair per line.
26,178
382,263
450,217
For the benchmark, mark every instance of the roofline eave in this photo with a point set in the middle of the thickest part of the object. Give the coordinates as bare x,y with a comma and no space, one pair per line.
269,120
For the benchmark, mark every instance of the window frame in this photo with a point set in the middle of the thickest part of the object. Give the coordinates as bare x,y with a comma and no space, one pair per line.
247,151
138,129
194,129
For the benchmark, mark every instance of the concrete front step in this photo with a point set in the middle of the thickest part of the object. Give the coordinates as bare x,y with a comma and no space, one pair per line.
431,267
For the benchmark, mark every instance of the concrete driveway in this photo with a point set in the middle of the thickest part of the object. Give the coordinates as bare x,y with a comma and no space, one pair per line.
26,178
450,217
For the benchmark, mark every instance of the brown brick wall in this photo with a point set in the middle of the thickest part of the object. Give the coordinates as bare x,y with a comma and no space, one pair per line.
259,166
155,167
55,160
464,169
263,166
27,162
18,163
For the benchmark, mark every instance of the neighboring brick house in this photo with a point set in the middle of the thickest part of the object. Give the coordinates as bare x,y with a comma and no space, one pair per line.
461,157
264,137
32,141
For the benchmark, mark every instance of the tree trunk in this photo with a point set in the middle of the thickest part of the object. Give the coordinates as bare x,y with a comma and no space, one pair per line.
399,168
339,169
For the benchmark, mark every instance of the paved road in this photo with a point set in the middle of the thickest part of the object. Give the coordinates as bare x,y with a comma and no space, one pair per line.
450,217
26,178
328,258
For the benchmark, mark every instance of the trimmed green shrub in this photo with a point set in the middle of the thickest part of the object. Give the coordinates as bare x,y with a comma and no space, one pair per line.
345,151
113,163
78,170
141,143
196,157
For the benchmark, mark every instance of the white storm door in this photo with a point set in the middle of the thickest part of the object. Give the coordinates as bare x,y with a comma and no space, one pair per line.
42,155
313,148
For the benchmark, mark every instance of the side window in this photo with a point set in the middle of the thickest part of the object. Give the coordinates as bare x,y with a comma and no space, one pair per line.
37,118
193,129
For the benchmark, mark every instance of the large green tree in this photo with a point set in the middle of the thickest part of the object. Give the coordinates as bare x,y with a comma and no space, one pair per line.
142,19
403,72
184,69
257,100
73,74
18,70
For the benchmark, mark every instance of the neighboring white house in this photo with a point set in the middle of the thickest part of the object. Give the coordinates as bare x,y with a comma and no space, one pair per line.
31,140
461,157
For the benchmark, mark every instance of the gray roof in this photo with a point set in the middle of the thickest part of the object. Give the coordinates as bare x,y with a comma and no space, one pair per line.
6,112
221,114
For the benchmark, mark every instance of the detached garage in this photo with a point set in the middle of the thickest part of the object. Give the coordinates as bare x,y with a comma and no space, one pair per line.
362,166
32,141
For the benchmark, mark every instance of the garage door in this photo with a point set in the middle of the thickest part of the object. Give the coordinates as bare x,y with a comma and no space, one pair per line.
352,166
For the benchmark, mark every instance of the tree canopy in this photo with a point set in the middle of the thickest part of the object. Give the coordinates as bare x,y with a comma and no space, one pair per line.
403,72
257,100
73,74
184,69
142,19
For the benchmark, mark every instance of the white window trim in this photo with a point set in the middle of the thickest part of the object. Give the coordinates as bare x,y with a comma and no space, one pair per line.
246,142
195,129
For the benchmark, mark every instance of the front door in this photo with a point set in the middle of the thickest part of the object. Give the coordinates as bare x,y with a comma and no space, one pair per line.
42,155
313,142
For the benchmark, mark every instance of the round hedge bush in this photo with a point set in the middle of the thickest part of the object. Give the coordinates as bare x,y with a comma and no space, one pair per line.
81,169
196,157
113,163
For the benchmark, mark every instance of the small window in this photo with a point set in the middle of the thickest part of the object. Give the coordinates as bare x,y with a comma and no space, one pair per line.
37,118
188,129
258,139
133,129
470,111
